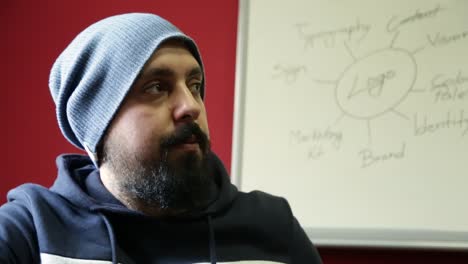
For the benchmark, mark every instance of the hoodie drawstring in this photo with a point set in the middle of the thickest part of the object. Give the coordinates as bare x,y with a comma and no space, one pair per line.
213,257
110,231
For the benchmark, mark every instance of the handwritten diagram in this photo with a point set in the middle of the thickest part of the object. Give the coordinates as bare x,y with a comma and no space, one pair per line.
378,81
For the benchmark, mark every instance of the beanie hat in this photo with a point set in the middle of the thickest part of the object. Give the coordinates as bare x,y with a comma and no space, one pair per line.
92,76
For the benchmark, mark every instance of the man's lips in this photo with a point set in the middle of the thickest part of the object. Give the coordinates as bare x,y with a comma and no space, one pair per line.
191,140
188,136
190,143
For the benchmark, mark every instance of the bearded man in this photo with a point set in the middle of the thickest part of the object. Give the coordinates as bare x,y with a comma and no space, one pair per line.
129,90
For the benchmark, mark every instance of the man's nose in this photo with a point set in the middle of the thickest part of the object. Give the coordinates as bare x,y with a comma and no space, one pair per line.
186,106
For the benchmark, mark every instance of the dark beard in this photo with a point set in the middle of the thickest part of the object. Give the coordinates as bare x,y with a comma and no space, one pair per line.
180,183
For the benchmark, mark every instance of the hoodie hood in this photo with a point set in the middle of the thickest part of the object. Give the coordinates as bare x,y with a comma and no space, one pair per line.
73,169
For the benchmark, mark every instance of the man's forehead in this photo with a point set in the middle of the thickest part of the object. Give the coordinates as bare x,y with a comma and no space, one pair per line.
155,67
177,47
173,42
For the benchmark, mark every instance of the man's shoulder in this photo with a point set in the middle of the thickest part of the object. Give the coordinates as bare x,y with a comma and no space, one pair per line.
262,205
35,199
261,198
28,193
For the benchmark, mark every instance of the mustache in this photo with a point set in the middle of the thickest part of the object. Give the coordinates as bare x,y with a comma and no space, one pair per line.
184,133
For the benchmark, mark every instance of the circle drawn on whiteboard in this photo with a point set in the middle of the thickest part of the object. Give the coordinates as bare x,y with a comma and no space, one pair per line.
377,83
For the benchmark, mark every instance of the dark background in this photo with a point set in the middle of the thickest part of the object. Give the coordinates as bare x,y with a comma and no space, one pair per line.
33,33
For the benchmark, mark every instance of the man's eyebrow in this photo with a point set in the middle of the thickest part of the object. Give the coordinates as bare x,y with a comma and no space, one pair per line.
156,72
196,71
166,72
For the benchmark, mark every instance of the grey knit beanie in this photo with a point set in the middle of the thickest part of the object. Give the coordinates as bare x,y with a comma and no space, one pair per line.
92,76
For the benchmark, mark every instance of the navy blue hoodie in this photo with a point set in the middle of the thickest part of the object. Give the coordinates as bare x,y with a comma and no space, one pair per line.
78,221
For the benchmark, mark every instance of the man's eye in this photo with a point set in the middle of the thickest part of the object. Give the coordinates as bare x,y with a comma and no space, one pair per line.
153,88
195,87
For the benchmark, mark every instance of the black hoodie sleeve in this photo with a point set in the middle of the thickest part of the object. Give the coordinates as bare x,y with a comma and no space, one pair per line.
17,240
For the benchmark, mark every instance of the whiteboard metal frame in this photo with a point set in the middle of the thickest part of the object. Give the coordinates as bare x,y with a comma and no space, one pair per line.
239,93
329,237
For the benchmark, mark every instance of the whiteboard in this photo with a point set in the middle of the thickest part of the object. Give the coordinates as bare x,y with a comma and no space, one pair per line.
357,113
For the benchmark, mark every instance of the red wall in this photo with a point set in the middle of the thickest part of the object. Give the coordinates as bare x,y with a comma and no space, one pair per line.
35,32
